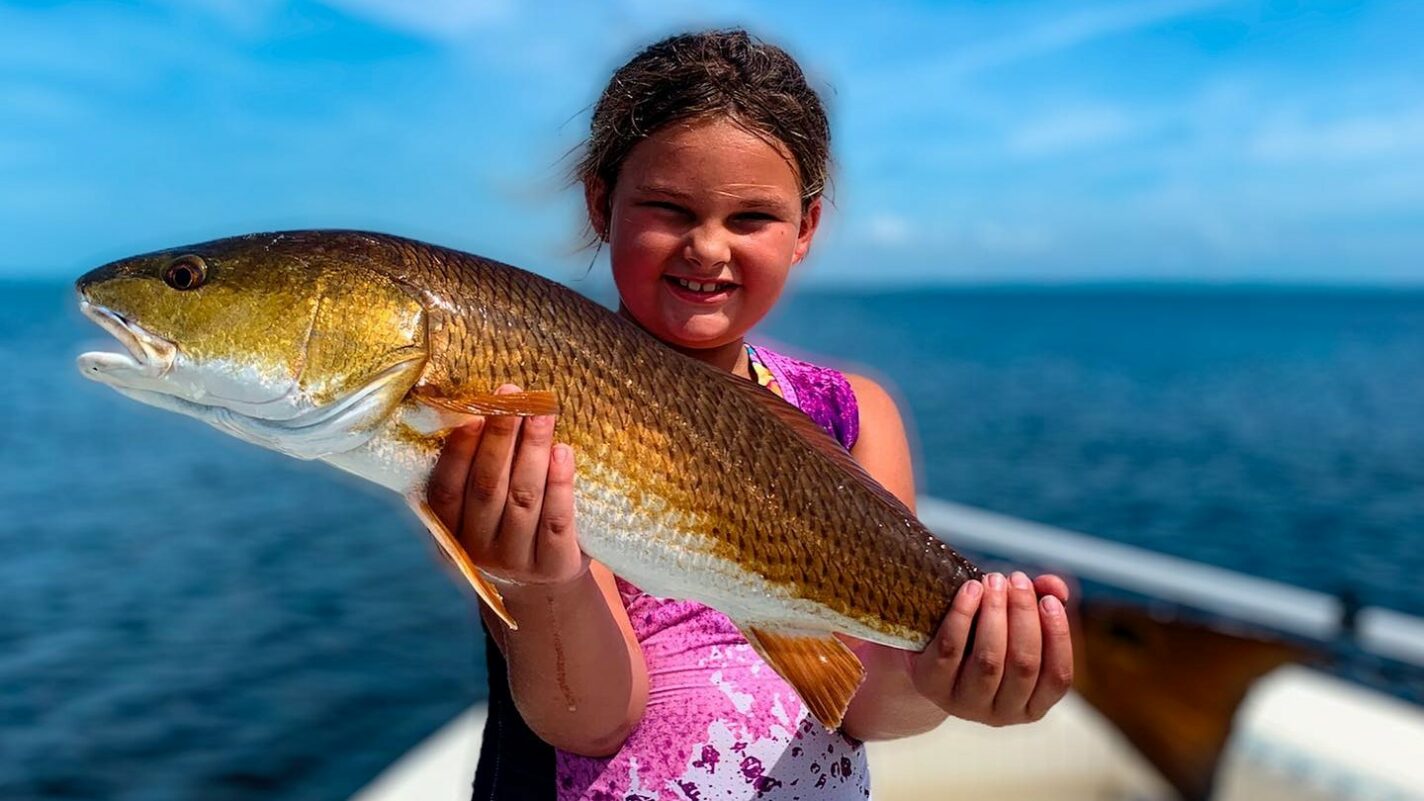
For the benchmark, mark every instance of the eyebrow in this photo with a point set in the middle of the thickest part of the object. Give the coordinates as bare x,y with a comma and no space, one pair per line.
751,202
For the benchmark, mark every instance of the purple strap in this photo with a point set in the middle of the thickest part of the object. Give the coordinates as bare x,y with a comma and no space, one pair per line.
822,393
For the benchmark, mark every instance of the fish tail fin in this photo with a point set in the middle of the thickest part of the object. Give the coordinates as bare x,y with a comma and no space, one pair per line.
451,548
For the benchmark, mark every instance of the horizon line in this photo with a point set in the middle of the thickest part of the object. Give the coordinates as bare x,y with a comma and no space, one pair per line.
909,284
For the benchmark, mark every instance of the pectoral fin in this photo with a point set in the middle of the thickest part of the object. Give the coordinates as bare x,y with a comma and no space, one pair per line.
823,671
523,404
457,554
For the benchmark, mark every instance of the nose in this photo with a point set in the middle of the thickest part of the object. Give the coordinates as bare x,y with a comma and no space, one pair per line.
708,246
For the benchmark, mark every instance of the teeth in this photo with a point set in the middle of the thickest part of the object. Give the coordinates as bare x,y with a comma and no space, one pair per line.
699,286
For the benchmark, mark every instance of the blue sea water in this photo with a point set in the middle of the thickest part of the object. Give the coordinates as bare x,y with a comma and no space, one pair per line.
185,616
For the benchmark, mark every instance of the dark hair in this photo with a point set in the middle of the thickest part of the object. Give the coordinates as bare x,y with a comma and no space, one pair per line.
700,75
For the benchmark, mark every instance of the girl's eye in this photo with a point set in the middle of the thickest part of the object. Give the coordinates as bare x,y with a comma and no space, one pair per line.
665,206
752,220
185,272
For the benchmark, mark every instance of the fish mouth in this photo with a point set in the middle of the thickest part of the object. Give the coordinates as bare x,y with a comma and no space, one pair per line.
148,355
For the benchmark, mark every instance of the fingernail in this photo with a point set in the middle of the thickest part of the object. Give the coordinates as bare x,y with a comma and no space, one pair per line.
544,420
1051,605
1020,581
507,389
561,453
996,581
972,589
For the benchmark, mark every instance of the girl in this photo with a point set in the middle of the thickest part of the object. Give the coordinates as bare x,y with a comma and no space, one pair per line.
703,174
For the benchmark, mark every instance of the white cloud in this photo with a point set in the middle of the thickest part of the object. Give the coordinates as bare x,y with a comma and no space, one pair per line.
244,16
434,19
1064,33
1009,240
1354,138
888,230
1070,130
38,101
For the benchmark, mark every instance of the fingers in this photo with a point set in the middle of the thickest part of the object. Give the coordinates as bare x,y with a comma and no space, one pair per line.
508,494
935,668
979,677
445,490
1024,649
1020,662
557,550
1050,584
514,544
487,485
1056,674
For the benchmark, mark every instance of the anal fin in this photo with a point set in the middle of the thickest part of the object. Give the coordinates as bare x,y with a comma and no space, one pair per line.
457,554
822,670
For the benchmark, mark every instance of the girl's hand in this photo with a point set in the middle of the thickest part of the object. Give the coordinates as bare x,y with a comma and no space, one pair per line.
506,492
1022,658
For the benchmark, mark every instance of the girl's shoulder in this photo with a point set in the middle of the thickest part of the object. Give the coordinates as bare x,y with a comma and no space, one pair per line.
825,394
860,413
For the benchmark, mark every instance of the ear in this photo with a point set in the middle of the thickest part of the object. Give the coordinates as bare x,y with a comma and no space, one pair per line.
810,221
595,197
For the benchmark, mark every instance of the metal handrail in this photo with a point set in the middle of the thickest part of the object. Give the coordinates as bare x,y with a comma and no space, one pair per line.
1317,615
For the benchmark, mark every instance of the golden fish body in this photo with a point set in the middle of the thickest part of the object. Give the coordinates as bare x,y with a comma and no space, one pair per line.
364,350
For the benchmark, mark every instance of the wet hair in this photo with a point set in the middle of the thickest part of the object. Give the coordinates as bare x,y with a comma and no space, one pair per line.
697,76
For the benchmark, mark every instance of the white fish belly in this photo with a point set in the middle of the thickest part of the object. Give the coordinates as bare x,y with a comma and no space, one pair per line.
653,548
649,544
388,459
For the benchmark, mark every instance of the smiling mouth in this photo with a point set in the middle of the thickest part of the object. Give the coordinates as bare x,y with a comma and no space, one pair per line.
146,353
699,290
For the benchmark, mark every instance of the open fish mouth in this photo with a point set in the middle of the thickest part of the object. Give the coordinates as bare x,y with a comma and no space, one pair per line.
147,354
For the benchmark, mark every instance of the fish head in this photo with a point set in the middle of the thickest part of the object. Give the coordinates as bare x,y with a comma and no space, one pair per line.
267,326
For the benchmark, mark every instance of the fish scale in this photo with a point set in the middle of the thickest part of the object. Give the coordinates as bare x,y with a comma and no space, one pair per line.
691,483
706,422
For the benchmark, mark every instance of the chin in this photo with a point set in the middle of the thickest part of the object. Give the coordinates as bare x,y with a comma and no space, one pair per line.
698,334
689,342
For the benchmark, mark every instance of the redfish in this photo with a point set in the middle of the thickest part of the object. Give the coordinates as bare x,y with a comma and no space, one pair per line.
365,350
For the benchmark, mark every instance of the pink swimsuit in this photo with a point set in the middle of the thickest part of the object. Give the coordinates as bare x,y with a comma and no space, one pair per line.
720,724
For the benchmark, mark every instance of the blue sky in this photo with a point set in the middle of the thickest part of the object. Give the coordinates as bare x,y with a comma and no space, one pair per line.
995,141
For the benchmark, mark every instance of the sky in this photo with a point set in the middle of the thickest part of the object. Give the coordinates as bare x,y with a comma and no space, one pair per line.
1140,140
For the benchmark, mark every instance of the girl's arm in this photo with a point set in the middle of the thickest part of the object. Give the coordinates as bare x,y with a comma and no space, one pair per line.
576,671
1022,659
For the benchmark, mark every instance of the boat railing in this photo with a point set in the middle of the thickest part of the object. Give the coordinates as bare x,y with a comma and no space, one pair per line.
1294,610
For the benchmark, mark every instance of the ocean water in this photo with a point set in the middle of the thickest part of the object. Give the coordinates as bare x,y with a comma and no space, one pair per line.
185,616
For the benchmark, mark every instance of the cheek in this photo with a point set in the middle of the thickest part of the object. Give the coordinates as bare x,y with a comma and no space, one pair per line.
637,265
769,258
641,252
762,288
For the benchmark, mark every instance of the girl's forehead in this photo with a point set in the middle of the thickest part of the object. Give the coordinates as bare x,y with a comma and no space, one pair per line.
717,135
719,152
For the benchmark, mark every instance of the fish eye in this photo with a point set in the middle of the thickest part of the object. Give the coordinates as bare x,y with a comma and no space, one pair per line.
185,272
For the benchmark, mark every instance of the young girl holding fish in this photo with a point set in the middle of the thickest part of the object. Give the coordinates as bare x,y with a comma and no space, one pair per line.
704,175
